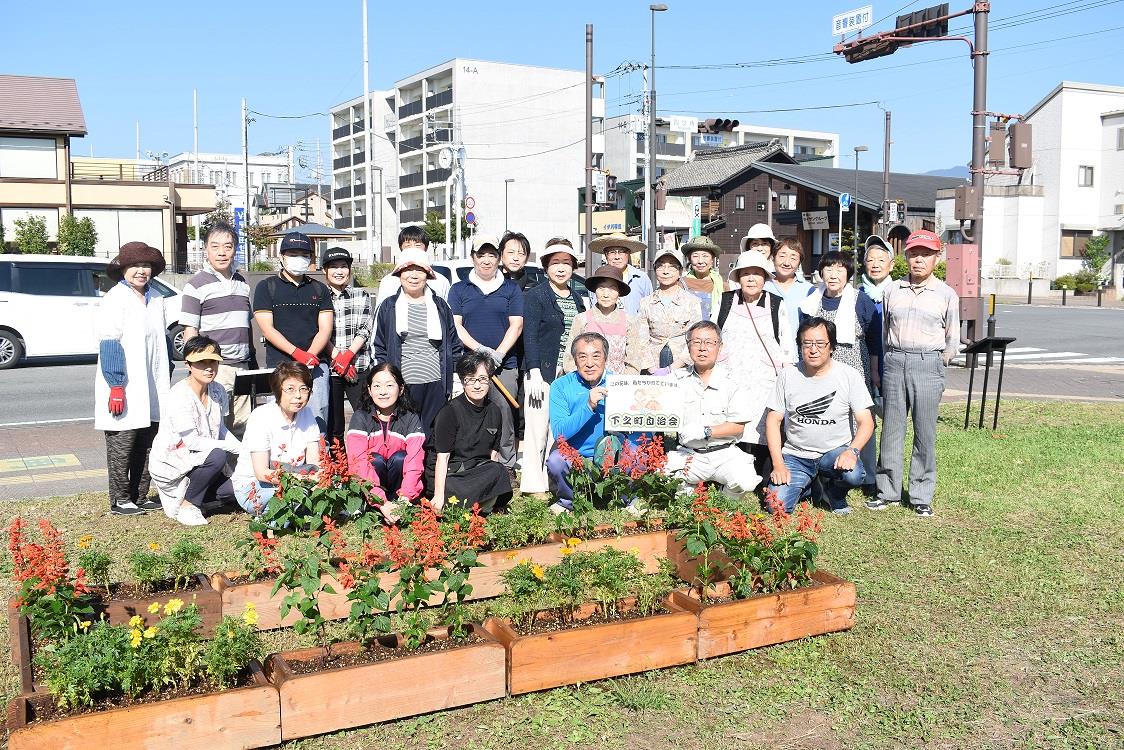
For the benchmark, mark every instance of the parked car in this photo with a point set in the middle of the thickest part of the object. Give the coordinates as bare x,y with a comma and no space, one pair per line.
48,304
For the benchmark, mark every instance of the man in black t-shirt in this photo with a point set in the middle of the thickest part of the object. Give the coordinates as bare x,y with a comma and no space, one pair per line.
295,315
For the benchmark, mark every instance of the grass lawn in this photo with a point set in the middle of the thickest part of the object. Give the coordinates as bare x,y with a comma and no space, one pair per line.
999,623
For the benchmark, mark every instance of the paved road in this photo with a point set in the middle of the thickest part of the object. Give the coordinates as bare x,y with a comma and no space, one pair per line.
48,445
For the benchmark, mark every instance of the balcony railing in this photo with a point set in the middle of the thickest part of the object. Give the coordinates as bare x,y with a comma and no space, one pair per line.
342,192
340,162
357,158
120,172
410,180
662,149
410,144
411,109
358,222
358,190
439,100
441,135
412,214
343,222
437,175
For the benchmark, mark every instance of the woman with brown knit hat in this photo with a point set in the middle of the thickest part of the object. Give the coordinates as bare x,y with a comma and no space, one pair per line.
133,375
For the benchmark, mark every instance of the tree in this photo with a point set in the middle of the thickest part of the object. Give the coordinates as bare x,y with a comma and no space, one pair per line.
31,235
221,213
258,236
434,228
1097,256
77,236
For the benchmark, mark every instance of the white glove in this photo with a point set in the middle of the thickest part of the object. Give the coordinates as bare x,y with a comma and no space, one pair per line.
691,433
535,389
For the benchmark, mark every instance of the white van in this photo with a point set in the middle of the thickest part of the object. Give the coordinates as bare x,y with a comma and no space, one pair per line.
48,305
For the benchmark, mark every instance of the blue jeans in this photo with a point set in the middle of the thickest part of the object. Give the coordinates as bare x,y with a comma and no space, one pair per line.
253,495
802,471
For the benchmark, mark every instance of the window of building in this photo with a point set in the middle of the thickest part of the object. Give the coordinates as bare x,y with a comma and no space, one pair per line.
1084,176
760,205
1118,209
1120,139
739,202
28,157
1073,243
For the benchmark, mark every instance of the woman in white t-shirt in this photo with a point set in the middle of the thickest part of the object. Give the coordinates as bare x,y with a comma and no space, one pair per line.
280,433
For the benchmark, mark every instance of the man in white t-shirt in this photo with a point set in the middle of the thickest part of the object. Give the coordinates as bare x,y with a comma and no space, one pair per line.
825,409
410,238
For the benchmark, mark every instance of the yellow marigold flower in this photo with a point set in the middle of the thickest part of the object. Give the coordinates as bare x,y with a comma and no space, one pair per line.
136,621
229,633
453,500
154,546
468,516
511,555
573,541
85,541
250,616
538,571
151,631
635,551
567,551
85,625
135,637
173,606
154,608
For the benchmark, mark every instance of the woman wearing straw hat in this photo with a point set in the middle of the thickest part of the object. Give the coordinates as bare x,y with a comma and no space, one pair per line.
755,331
661,325
618,249
549,311
702,278
605,316
132,379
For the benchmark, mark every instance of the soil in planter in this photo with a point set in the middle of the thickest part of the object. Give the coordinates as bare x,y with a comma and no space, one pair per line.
120,591
243,578
49,710
552,622
378,653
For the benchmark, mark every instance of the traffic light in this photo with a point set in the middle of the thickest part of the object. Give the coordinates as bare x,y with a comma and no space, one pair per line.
928,17
869,49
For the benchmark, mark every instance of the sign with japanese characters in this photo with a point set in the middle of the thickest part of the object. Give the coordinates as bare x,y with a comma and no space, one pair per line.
815,220
852,20
643,403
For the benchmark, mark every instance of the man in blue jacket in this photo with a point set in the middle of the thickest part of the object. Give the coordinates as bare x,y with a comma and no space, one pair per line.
577,412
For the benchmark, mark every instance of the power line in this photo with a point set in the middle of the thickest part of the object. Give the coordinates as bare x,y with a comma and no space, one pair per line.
783,109
526,156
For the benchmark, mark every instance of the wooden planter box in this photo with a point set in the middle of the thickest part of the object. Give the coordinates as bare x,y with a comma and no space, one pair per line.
345,697
235,596
19,634
245,717
118,611
583,654
826,606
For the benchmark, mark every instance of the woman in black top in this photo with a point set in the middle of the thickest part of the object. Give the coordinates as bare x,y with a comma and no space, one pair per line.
463,446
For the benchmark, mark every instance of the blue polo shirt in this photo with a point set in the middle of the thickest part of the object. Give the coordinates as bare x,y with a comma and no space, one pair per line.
486,315
570,415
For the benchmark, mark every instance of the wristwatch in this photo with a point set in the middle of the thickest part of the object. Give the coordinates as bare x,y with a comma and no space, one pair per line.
855,451
706,433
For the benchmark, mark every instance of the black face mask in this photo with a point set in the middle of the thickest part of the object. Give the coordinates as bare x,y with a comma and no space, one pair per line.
514,274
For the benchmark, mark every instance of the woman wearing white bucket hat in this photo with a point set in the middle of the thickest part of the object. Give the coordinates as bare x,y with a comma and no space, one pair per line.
755,333
659,340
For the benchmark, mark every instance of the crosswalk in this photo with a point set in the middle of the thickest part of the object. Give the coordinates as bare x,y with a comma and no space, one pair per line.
1031,355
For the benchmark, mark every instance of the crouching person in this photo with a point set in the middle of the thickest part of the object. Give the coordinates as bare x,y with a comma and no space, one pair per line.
825,409
384,441
280,434
716,410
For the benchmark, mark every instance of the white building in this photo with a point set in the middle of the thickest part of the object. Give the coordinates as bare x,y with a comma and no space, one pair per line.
522,132
677,138
1038,224
227,173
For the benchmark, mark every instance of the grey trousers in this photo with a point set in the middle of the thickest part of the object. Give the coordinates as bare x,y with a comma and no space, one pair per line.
508,435
912,382
126,460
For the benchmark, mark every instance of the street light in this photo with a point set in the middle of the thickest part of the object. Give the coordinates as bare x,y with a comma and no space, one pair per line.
651,194
855,236
506,182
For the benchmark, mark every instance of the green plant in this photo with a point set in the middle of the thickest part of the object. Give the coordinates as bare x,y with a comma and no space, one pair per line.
77,236
777,554
701,537
94,561
56,604
258,553
370,276
31,235
1003,261
305,499
900,269
1097,256
149,568
235,643
262,266
185,559
306,569
528,521
222,213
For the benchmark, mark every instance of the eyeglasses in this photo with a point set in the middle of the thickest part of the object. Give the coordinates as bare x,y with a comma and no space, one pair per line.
815,344
291,391
704,343
478,380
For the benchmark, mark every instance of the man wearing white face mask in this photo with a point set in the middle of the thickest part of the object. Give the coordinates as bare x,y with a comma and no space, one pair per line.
294,312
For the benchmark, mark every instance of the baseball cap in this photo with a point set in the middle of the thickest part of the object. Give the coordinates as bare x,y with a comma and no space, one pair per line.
485,240
924,238
333,254
295,242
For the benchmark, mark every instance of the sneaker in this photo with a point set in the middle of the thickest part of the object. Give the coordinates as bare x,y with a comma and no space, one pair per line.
150,503
870,491
844,511
879,503
925,511
558,509
126,509
634,510
189,515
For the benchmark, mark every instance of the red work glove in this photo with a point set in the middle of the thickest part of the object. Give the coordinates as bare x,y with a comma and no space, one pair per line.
351,373
342,362
306,359
117,400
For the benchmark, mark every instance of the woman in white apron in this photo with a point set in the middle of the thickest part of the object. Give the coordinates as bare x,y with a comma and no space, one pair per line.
189,457
132,378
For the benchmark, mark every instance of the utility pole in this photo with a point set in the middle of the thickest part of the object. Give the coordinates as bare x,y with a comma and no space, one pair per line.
588,147
195,177
979,146
652,176
246,164
367,145
886,177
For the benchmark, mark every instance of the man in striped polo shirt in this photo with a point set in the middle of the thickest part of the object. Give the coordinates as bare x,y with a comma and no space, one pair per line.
216,303
921,330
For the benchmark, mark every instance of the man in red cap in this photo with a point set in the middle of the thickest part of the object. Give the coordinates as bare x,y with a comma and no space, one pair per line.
921,325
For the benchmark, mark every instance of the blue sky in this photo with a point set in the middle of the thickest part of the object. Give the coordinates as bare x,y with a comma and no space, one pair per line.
140,61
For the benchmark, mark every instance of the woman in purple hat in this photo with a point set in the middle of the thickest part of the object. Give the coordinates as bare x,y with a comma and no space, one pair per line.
133,376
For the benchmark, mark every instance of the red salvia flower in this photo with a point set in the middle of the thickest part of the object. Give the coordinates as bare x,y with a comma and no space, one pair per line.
345,577
572,455
335,537
429,546
369,556
399,554
268,549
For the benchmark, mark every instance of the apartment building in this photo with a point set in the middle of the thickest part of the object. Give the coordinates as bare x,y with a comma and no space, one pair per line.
227,173
517,130
126,199
678,138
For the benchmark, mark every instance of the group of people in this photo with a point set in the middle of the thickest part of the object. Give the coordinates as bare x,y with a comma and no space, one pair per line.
454,386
